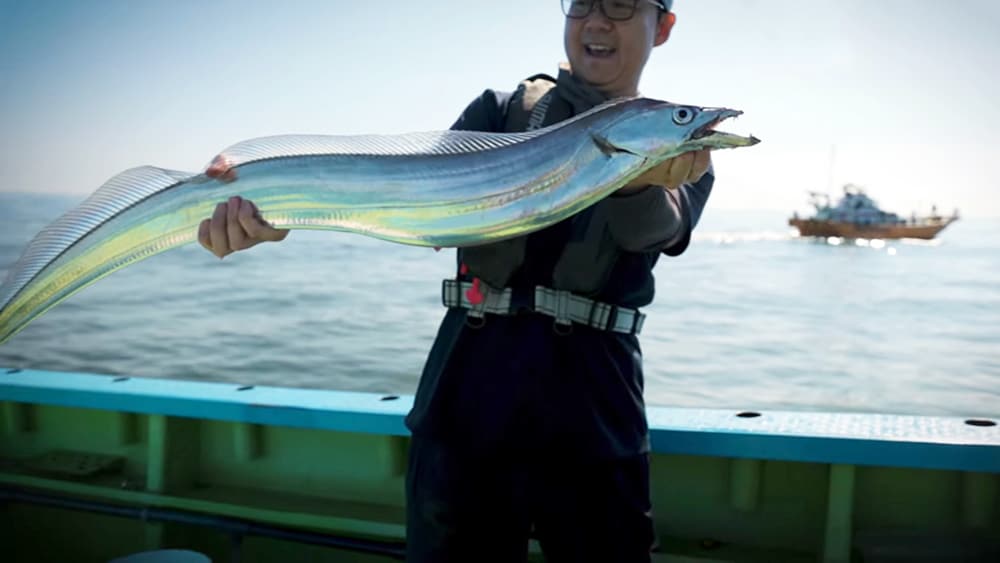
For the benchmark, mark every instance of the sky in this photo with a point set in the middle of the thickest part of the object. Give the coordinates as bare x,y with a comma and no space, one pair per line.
899,96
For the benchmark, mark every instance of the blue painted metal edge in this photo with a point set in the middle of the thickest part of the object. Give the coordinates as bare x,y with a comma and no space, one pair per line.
862,439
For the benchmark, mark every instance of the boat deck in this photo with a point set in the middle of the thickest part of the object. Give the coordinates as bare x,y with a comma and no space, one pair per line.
93,467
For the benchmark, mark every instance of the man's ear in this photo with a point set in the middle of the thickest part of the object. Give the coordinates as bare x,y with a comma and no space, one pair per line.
663,27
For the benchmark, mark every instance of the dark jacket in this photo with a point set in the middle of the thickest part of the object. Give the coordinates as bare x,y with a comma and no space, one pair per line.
514,382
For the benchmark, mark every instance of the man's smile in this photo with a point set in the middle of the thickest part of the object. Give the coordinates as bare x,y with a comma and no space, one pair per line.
599,49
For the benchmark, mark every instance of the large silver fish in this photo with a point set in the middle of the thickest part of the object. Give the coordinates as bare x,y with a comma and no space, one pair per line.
447,188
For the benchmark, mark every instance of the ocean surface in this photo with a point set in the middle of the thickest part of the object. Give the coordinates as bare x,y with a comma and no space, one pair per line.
750,317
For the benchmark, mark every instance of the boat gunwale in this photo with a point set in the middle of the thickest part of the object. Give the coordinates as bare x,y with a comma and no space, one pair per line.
928,442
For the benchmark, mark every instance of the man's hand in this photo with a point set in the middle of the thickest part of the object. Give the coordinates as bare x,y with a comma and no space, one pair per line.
236,224
221,168
687,168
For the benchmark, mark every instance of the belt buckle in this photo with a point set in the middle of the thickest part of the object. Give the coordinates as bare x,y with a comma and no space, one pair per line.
636,318
612,318
522,301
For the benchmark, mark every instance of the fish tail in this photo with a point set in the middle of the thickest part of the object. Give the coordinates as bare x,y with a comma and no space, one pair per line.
118,194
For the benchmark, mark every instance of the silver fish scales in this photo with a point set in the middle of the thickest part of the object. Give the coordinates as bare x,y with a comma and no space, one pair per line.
443,189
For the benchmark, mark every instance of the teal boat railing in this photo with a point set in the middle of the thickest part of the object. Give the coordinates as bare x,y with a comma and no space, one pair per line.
928,442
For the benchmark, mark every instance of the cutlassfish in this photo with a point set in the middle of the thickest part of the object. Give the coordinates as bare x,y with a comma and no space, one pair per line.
442,189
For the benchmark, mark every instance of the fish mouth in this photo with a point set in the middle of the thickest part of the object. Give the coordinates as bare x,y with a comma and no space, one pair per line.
708,137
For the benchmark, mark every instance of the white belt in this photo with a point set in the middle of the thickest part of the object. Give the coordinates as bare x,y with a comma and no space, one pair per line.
564,306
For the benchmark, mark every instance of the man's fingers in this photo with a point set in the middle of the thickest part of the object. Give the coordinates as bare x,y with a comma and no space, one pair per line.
221,168
702,160
268,232
217,231
237,236
256,227
249,223
683,169
217,167
236,225
203,236
680,169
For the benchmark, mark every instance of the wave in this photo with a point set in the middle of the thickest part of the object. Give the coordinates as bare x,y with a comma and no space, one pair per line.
734,237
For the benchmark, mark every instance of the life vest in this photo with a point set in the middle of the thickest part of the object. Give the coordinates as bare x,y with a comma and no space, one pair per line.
589,254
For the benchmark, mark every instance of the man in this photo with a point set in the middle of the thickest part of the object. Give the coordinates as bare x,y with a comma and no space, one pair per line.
524,424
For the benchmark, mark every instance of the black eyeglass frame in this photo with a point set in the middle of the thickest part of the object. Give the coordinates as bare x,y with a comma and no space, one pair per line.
566,8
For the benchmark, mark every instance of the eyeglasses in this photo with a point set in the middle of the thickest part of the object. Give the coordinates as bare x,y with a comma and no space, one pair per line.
616,10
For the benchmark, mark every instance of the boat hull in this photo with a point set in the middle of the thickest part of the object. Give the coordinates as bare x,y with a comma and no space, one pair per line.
820,228
94,467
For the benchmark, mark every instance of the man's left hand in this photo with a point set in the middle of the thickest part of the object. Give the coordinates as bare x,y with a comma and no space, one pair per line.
687,168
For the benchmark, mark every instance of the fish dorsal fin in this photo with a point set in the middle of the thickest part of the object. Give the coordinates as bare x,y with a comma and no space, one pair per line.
116,195
409,144
135,185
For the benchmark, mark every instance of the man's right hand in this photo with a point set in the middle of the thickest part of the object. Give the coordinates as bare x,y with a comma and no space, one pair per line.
236,223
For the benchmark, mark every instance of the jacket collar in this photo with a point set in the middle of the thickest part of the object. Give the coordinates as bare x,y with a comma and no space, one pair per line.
577,93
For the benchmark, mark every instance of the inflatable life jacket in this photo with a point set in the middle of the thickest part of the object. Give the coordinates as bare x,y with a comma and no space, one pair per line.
590,251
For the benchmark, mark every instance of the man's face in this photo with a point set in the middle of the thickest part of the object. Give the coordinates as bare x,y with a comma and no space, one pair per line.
610,55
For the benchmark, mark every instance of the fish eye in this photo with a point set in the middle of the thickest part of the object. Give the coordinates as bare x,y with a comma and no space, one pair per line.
684,115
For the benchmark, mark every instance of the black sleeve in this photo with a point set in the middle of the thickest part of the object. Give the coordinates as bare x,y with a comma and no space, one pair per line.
485,113
692,199
644,221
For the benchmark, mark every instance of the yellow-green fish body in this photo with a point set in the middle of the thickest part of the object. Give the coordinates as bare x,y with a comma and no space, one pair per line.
443,189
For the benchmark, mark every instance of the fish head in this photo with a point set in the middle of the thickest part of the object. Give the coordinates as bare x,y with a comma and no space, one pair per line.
657,130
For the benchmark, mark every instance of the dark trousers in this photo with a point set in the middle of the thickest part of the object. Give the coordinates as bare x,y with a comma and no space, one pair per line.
467,507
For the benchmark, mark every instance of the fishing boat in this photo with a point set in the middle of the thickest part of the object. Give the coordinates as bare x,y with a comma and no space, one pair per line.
858,216
96,468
